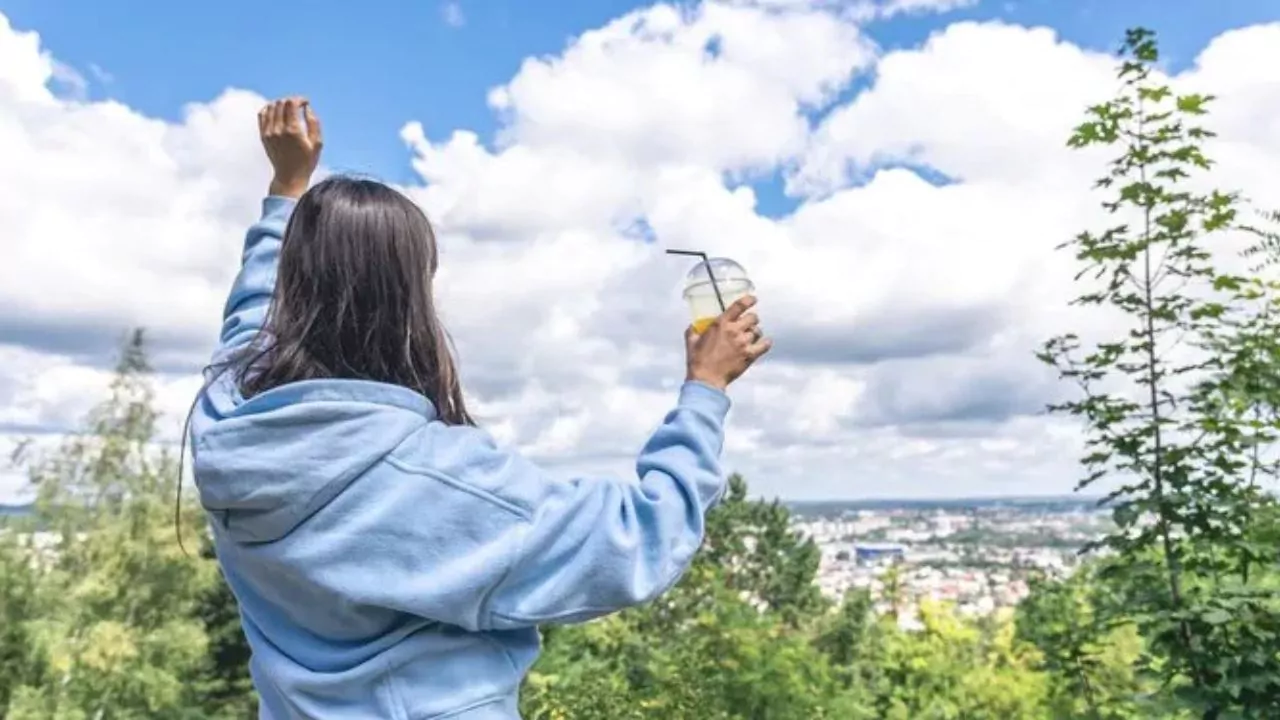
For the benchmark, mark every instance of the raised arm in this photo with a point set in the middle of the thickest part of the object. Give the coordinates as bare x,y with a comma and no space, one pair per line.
246,308
593,547
292,139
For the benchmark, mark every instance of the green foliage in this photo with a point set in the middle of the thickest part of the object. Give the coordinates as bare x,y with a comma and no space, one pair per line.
1089,658
19,600
104,620
757,552
848,638
224,686
1180,406
953,669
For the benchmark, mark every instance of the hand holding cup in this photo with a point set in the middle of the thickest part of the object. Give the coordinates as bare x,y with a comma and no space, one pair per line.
724,350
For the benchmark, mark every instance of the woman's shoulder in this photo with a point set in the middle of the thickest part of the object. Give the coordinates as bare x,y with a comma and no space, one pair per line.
472,460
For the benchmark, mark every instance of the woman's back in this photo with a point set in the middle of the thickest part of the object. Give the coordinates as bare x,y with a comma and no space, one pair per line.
361,582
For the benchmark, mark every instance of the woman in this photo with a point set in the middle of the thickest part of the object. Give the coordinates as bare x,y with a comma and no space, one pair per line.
389,560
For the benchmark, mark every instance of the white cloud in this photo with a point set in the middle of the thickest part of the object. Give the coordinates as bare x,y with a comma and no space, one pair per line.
905,313
714,86
112,218
960,106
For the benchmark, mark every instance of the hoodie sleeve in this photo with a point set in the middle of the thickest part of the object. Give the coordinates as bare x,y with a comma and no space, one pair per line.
591,547
246,308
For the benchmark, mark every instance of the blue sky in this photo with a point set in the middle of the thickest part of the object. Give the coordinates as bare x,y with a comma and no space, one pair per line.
391,61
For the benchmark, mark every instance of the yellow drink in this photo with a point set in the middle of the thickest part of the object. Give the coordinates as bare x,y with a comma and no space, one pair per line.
701,324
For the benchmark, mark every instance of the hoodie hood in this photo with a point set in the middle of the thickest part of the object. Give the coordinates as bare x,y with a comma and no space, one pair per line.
265,465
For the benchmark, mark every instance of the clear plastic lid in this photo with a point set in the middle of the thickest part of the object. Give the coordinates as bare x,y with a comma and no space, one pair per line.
726,271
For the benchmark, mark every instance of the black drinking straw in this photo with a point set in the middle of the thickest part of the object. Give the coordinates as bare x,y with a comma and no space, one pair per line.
707,264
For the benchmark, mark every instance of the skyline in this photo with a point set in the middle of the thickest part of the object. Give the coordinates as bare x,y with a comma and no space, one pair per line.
892,180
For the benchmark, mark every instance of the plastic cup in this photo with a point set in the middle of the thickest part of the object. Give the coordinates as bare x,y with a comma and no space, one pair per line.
700,293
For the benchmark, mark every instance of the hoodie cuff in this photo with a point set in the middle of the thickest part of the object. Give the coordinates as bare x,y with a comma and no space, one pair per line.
700,396
277,207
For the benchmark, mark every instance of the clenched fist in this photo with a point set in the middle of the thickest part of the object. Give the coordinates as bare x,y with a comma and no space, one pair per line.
291,136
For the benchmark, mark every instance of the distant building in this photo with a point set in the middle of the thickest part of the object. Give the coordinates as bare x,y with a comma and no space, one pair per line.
872,553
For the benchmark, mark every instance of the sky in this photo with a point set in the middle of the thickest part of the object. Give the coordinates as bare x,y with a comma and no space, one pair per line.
892,173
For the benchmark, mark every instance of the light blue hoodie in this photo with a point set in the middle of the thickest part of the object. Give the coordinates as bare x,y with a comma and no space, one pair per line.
390,566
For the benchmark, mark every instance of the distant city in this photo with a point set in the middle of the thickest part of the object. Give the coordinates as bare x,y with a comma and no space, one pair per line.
977,554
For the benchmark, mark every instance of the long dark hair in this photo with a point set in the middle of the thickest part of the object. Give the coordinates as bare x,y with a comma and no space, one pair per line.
354,299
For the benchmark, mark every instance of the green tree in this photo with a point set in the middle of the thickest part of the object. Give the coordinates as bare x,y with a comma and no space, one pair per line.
117,633
225,687
729,660
1179,405
1090,658
848,639
753,545
19,607
957,670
